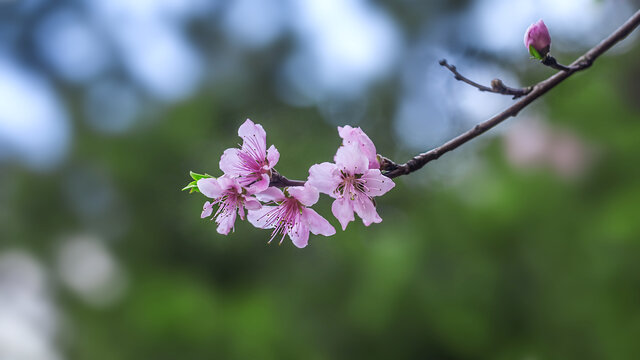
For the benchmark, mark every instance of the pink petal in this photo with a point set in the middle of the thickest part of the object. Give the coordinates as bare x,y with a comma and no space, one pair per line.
307,194
270,194
351,160
235,185
357,137
272,156
325,177
241,212
225,224
345,131
376,183
342,210
299,234
207,210
364,207
228,183
229,162
249,128
317,224
260,185
210,187
252,204
254,138
258,217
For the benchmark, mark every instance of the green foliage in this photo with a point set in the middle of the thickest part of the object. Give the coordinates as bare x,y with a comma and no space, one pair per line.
534,53
196,176
193,186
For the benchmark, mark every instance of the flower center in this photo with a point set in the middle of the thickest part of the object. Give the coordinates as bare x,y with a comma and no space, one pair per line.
351,185
284,218
227,205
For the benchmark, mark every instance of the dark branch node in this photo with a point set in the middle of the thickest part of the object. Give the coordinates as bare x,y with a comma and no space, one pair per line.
280,181
551,62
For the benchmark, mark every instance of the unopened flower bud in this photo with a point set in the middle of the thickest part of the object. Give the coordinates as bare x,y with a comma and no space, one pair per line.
537,40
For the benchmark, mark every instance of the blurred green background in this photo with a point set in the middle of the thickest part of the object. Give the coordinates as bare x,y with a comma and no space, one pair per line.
523,244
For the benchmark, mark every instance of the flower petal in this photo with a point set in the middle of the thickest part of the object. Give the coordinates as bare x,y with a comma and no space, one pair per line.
376,183
351,135
325,177
342,210
299,234
351,160
345,132
207,210
259,218
272,156
251,203
270,194
241,212
260,185
230,162
228,183
225,223
254,139
317,224
364,207
249,129
210,187
307,194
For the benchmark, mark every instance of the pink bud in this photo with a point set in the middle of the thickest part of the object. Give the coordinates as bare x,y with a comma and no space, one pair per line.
537,36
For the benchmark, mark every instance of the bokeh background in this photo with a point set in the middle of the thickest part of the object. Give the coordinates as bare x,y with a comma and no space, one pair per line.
523,244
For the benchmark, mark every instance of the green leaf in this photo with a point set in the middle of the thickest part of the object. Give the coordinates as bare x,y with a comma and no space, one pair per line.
192,187
196,176
534,52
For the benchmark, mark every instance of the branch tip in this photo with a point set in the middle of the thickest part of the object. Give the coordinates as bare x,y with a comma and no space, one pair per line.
529,94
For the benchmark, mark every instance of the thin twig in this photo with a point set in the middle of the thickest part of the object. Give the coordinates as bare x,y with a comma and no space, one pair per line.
497,86
551,62
539,89
392,169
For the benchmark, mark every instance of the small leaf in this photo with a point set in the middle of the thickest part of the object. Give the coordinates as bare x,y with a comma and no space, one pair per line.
534,53
196,176
192,186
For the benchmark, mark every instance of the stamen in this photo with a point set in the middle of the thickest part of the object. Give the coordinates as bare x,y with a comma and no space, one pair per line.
283,218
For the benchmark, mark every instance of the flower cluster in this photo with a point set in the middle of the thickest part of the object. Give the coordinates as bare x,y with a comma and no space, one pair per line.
353,180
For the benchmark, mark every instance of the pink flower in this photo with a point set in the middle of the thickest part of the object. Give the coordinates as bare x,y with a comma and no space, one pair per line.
352,184
230,197
291,215
252,163
351,135
537,35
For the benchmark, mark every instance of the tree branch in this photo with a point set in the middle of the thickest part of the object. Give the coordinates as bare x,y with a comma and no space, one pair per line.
497,86
551,62
392,169
279,180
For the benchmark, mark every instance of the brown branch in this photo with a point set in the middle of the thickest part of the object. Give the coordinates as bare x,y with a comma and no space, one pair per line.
551,62
497,86
279,180
393,170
